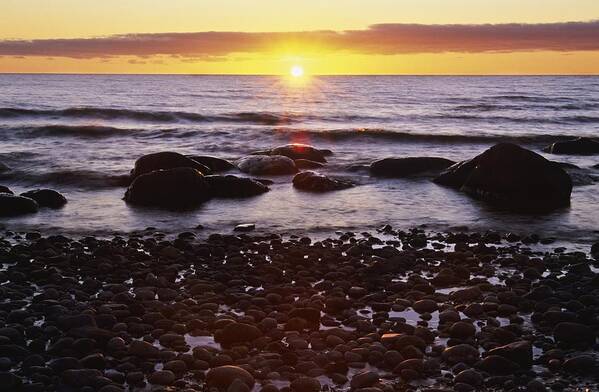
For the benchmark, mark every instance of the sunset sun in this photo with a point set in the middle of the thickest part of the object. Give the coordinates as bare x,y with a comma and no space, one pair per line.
296,71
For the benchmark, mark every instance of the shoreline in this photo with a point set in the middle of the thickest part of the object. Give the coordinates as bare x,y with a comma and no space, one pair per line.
375,312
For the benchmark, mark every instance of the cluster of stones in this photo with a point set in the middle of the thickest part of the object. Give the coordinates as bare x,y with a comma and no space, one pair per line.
396,311
28,202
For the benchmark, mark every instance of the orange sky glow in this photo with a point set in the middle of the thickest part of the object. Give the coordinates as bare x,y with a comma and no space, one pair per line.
321,37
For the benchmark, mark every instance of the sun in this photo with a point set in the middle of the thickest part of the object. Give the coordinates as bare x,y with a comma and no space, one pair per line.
296,71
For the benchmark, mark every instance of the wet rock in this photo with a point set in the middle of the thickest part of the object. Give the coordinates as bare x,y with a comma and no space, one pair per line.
581,364
81,377
462,330
496,364
574,334
578,146
425,306
174,189
267,165
162,377
460,353
470,377
404,167
316,182
512,177
143,349
245,227
364,379
213,163
300,151
307,164
232,186
237,333
5,189
165,161
46,198
305,384
223,376
517,352
11,205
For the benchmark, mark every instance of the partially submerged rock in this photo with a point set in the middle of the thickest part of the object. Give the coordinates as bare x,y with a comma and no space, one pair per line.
12,205
299,151
513,177
578,146
5,189
307,164
175,188
404,167
267,165
46,198
164,161
316,182
213,163
232,186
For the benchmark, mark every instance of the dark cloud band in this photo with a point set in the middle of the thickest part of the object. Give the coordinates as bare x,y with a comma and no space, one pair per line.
376,39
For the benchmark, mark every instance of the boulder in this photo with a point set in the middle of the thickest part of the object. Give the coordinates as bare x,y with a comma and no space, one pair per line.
5,189
213,163
316,182
46,198
223,376
267,165
164,161
578,146
12,205
305,384
496,364
512,177
237,333
175,188
299,151
232,186
404,167
574,334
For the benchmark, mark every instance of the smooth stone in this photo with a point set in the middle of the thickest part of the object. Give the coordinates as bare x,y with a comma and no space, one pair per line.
425,306
237,333
143,349
316,182
232,186
405,167
460,353
574,333
517,352
307,164
267,165
496,364
364,379
470,377
162,377
46,198
299,151
12,205
462,330
578,146
305,384
223,376
178,188
213,163
165,160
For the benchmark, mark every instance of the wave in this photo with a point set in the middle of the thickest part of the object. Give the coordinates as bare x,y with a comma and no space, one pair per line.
150,116
564,120
489,107
384,134
86,179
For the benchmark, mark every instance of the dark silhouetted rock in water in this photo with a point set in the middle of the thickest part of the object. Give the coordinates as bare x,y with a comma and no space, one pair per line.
232,186
267,165
307,164
574,334
316,182
578,146
513,177
517,352
213,163
403,167
46,198
5,189
175,188
11,205
164,161
299,151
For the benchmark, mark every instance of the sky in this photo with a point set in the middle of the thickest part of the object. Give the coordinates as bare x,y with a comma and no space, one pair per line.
322,37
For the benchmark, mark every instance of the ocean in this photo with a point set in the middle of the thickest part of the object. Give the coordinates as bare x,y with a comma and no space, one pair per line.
81,134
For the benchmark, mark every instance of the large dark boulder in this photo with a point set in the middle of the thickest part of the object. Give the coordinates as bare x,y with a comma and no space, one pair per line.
232,186
163,161
316,182
213,163
512,177
578,146
299,151
5,189
518,352
574,334
46,197
12,205
177,188
267,165
403,167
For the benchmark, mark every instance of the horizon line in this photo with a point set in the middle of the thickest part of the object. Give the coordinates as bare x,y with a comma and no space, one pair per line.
285,75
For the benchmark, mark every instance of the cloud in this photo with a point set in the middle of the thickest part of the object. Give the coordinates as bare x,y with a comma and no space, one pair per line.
376,39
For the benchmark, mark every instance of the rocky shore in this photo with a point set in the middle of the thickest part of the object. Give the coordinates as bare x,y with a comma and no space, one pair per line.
368,312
